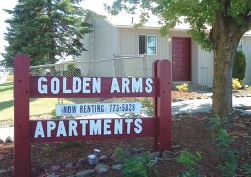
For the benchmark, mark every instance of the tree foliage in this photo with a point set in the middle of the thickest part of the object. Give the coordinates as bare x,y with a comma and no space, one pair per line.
216,25
239,69
44,29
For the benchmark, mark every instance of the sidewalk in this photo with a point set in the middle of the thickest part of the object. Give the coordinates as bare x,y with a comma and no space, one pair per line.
204,105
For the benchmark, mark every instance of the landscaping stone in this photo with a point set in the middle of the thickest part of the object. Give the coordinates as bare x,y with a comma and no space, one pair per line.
8,140
114,156
85,173
155,155
37,169
1,141
101,168
139,149
80,163
117,167
69,165
54,168
103,158
181,99
168,154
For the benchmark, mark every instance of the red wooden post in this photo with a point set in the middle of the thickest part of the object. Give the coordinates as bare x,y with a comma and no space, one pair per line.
21,116
155,114
164,105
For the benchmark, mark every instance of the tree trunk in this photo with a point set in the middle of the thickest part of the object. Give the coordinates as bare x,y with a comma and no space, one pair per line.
222,82
225,37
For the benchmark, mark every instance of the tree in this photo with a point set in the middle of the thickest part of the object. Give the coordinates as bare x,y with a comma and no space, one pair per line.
239,68
44,29
228,20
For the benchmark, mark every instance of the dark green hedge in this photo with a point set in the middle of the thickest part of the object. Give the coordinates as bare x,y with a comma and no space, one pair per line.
239,67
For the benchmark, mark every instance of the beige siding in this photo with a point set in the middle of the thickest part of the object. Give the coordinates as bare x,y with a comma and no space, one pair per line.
195,62
129,45
205,67
247,51
106,39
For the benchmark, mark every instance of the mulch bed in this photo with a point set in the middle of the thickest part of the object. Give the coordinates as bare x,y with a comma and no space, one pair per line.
189,132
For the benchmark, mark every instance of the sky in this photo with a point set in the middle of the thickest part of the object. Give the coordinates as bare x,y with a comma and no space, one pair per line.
95,5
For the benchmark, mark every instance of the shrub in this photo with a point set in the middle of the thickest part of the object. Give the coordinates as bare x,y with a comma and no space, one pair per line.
236,84
72,71
239,67
140,165
147,103
223,142
183,87
190,161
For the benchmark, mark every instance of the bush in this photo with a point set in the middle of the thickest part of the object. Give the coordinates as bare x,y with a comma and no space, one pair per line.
190,161
72,71
239,67
236,84
183,87
140,165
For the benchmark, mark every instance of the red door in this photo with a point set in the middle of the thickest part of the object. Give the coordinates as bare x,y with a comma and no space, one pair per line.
181,59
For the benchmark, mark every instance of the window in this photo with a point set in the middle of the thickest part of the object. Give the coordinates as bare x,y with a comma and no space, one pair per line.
148,44
240,46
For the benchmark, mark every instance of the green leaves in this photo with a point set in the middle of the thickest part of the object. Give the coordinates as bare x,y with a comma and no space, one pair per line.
190,161
44,29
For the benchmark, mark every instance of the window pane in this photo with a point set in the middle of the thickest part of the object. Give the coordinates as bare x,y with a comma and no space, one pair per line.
239,48
142,44
151,45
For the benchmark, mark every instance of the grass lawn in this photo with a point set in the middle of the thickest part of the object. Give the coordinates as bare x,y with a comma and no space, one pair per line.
38,106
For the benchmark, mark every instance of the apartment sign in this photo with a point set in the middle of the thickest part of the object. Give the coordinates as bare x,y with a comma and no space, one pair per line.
28,131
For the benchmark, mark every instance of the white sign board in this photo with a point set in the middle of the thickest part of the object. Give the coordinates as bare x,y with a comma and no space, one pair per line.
100,108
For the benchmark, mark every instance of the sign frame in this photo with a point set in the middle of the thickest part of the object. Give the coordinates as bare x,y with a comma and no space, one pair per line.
25,87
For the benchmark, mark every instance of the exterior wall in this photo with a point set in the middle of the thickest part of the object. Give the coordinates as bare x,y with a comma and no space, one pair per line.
195,62
106,39
247,51
109,40
129,45
102,43
205,67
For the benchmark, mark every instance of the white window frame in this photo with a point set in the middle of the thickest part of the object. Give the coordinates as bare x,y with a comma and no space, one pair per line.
146,49
240,46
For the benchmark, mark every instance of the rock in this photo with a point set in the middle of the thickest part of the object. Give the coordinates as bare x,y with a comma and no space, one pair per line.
69,165
128,152
37,169
168,154
191,98
101,168
241,125
199,98
85,173
8,140
103,158
155,155
248,95
117,167
114,156
181,99
174,100
139,149
54,168
1,141
80,163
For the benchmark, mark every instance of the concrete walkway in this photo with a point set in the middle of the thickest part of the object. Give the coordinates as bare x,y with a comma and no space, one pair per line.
204,105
